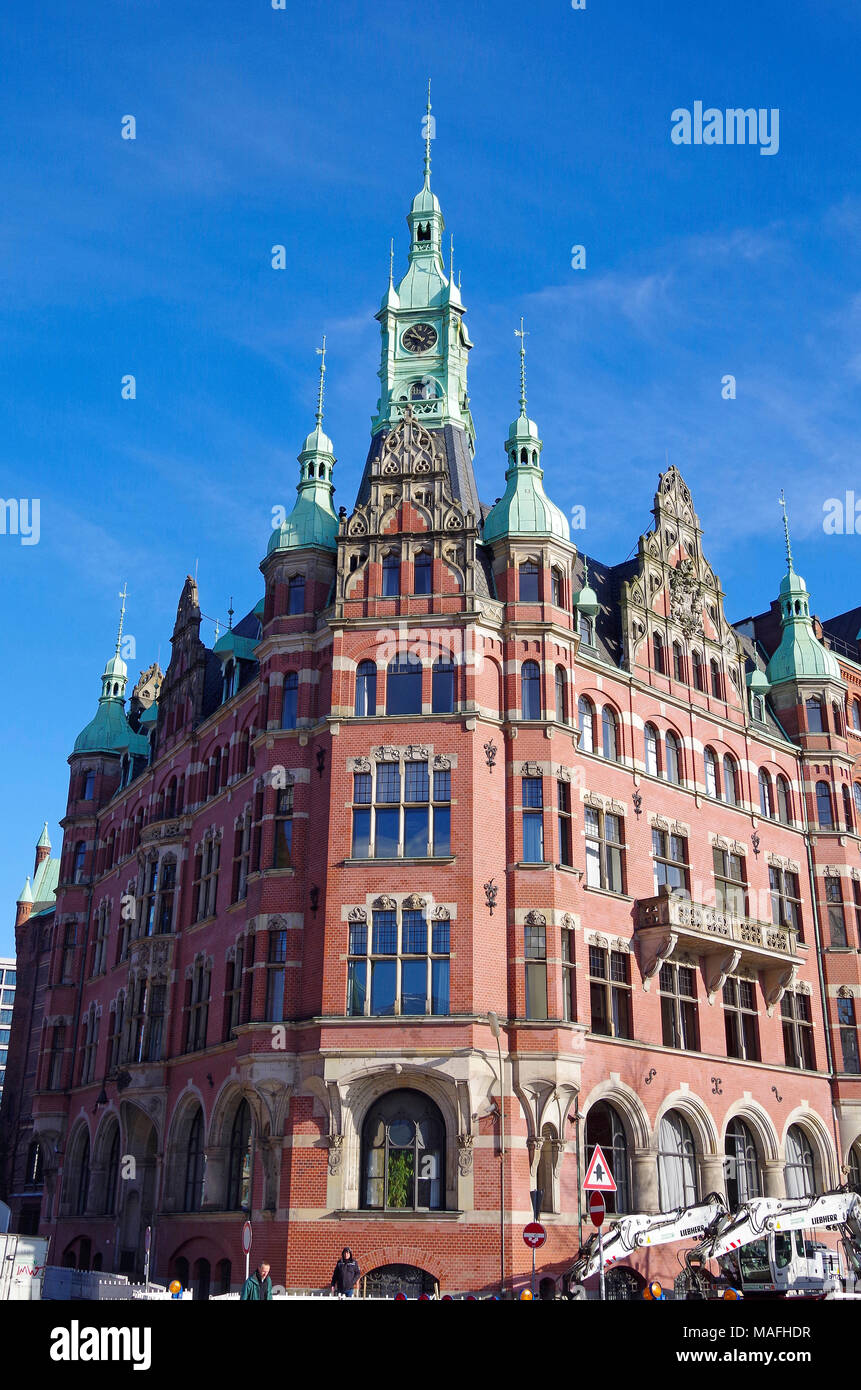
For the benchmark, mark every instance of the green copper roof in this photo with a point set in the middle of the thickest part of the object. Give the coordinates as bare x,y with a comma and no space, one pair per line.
586,601
45,881
757,682
26,896
800,653
231,645
525,509
109,731
312,521
44,841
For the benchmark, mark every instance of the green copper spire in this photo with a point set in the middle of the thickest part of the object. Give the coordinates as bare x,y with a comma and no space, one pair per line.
26,895
800,653
586,601
524,509
424,341
312,520
108,731
44,841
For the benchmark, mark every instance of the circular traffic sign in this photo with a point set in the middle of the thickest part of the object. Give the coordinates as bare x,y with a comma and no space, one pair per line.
534,1235
246,1237
597,1208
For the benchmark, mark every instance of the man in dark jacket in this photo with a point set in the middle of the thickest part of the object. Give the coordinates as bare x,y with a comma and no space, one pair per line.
258,1285
346,1274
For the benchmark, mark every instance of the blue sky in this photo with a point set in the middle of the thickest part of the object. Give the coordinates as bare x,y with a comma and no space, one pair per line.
303,127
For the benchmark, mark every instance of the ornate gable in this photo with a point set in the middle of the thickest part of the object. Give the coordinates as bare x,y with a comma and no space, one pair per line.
677,594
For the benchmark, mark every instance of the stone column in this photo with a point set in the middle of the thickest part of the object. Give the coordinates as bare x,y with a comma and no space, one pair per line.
773,1180
644,1166
712,1175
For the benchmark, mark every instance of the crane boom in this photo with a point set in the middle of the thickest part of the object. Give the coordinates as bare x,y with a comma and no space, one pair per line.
630,1233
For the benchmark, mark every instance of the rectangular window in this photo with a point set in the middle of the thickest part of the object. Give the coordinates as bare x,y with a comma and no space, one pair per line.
67,963
670,855
563,799
407,961
797,1031
836,915
740,1019
610,993
569,977
233,993
604,851
678,993
55,1061
533,820
848,1035
785,899
395,816
283,852
275,976
535,951
730,883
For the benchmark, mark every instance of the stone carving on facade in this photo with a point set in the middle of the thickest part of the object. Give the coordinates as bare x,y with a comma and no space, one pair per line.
654,952
414,903
531,770
775,983
278,923
441,913
387,755
385,904
535,919
441,762
416,753
716,970
361,764
569,922
357,914
686,596
335,1144
464,1153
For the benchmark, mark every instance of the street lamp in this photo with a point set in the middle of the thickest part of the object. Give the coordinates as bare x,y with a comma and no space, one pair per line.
493,1020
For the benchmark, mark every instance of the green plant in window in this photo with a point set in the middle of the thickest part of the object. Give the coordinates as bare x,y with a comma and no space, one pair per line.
400,1177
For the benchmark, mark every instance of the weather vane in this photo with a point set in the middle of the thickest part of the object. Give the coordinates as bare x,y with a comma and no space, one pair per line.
522,334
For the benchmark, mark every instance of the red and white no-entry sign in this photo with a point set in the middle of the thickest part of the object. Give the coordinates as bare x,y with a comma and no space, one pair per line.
597,1208
534,1235
246,1237
598,1176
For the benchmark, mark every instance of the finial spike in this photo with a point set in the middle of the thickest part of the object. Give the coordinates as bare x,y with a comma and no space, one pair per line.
123,594
522,334
230,613
428,129
322,352
782,501
391,262
585,571
451,261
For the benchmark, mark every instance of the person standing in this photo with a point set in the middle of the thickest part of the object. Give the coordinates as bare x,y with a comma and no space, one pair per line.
257,1286
346,1274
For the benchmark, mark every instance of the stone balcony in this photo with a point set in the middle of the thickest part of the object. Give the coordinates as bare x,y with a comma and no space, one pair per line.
672,924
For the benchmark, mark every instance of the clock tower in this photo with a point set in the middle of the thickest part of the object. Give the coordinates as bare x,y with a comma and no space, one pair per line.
424,340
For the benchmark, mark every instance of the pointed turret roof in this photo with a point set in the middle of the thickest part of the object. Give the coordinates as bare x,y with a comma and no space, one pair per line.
524,509
800,654
26,895
109,730
44,841
312,521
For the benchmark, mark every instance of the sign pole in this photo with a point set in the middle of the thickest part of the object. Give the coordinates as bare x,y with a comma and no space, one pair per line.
533,1271
602,1292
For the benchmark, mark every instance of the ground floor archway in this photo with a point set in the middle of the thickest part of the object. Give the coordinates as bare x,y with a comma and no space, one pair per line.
387,1280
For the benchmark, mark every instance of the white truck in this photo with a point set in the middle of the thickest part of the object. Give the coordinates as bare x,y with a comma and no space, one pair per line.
760,1246
22,1266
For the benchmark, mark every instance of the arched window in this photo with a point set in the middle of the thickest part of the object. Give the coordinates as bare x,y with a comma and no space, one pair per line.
609,733
528,587
239,1165
404,685
856,715
677,1163
193,1195
784,801
544,1180
730,780
586,629
766,803
391,575
815,722
699,674
711,766
530,690
650,738
678,662
673,763
856,793
604,1128
586,722
442,686
403,1154
290,701
714,667
82,1177
824,810
658,653
742,1180
556,587
800,1169
847,807
560,685
366,689
296,594
855,1166
423,573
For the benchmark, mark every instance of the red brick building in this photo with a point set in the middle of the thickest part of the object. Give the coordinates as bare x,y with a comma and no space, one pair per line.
444,771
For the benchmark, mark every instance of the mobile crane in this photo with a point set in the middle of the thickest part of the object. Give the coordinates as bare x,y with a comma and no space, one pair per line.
759,1246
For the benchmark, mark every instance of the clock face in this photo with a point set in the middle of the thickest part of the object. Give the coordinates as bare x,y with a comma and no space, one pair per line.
419,337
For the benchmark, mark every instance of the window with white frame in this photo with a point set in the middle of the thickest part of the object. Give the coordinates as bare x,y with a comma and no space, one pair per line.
399,962
402,810
604,850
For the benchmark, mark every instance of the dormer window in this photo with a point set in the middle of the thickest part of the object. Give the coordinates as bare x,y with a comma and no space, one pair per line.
423,233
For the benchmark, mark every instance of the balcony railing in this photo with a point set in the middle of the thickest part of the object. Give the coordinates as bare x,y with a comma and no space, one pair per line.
722,940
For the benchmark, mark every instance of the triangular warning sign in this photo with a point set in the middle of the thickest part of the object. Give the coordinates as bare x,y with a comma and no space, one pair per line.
598,1176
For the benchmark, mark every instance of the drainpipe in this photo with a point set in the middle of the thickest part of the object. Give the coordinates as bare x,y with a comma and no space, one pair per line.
817,934
493,1020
